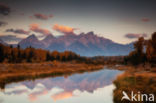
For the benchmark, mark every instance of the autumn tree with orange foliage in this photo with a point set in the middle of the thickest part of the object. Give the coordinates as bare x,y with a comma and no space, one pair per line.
151,49
138,56
18,55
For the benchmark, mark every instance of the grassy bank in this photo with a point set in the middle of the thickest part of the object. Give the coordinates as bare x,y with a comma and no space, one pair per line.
136,79
23,71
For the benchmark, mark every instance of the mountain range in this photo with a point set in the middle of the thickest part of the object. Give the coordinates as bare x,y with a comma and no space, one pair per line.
88,44
2,42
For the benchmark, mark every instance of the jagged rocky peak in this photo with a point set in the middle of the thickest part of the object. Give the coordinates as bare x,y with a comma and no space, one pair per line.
32,37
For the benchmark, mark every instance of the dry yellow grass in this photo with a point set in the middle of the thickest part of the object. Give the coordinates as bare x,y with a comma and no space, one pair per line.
142,81
17,72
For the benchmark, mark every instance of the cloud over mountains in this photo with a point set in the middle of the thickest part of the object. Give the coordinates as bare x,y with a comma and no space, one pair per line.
63,29
2,23
133,36
42,16
10,38
17,31
36,28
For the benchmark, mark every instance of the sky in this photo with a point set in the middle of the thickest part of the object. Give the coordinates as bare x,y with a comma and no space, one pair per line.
122,21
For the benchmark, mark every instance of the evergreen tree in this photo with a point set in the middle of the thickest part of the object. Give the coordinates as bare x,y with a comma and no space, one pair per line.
1,53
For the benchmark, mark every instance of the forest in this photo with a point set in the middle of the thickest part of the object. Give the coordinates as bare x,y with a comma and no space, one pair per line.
18,55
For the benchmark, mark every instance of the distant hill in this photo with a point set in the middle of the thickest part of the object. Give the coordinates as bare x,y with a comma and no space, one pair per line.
87,44
32,41
2,42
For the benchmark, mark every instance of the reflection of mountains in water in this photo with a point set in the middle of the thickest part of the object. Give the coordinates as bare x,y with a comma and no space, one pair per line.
83,82
59,88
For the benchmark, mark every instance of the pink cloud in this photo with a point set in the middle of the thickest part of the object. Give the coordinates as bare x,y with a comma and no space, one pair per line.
132,35
63,29
42,16
62,95
34,96
145,19
36,28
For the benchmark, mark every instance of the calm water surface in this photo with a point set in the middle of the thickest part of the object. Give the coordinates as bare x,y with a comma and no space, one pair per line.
91,87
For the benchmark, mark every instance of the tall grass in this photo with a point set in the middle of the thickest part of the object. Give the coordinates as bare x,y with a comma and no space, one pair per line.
145,82
22,71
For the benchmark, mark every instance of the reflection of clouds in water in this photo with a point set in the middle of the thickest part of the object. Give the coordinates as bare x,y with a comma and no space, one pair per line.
104,95
61,88
39,90
20,89
34,95
98,93
62,95
17,90
1,100
38,87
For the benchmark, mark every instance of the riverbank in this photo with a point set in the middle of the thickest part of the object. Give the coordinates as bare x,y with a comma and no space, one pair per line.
137,79
23,71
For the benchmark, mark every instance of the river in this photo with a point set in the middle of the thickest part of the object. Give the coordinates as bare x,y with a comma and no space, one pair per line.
88,87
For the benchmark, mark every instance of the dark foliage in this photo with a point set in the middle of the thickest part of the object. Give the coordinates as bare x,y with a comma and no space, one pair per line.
18,55
145,52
